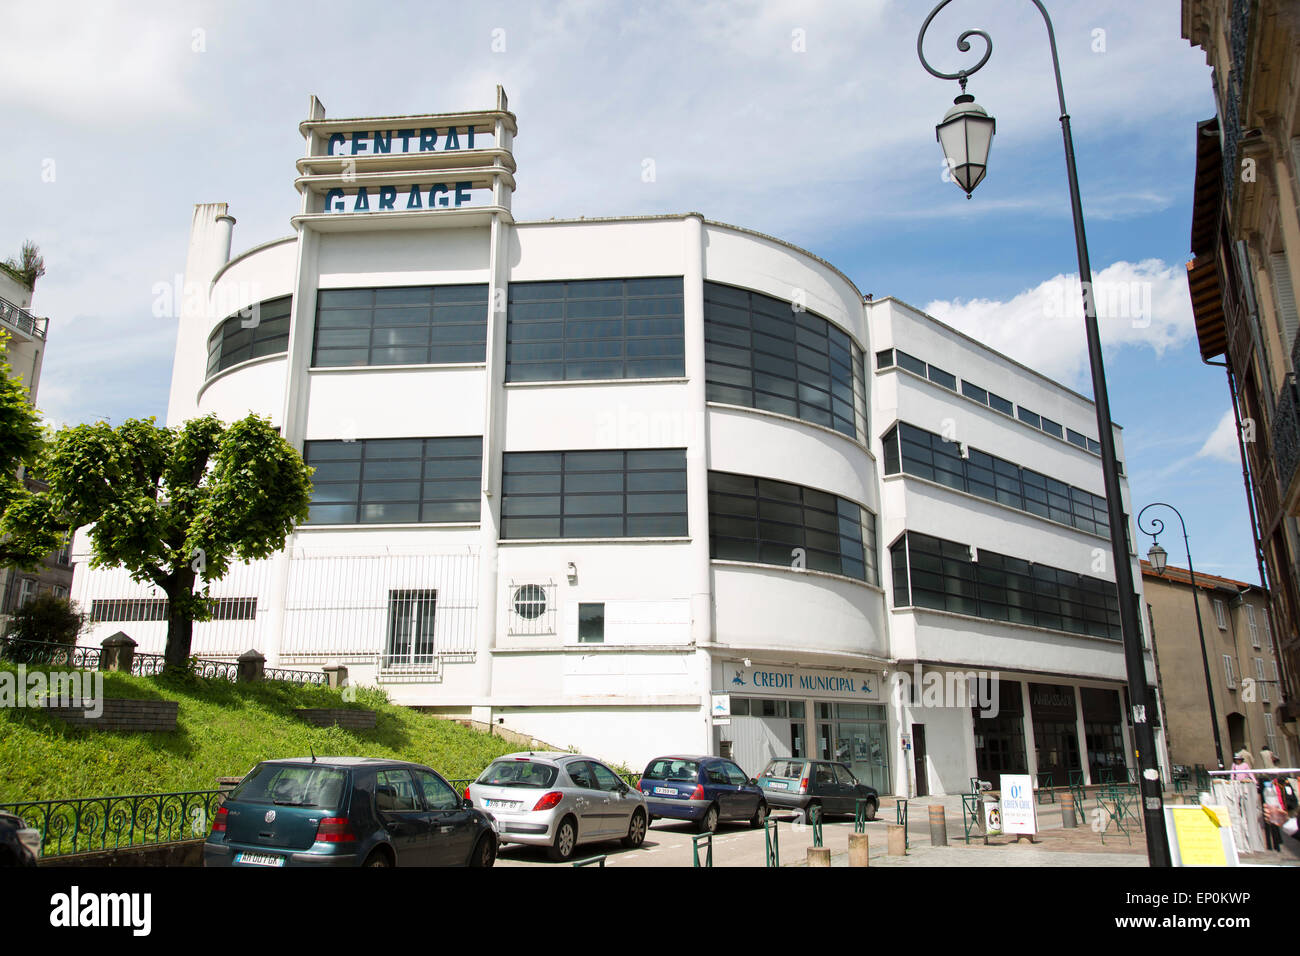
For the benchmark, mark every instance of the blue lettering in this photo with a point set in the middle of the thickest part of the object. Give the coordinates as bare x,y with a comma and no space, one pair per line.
358,144
335,138
386,196
332,195
433,191
453,141
413,200
470,138
383,142
462,193
405,136
362,201
428,139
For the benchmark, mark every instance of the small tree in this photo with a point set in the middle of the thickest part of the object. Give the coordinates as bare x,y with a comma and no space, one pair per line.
45,619
174,506
30,264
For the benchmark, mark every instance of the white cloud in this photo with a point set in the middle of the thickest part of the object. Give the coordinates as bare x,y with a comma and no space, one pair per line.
1222,443
1139,304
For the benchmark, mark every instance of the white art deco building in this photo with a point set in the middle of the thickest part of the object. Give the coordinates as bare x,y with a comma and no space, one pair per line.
579,478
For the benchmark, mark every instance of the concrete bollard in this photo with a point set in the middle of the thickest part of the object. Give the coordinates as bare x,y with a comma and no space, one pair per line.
118,653
938,826
252,666
1068,818
336,676
858,850
819,856
897,840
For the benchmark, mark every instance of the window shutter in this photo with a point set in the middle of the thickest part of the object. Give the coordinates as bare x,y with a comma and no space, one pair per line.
1286,304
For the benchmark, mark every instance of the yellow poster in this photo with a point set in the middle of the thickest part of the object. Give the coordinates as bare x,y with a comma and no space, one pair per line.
1199,840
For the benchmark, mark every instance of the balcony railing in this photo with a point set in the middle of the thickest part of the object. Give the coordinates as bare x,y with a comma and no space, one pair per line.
1286,435
22,321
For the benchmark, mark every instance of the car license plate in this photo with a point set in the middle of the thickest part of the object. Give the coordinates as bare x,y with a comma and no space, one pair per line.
778,785
666,791
504,804
260,859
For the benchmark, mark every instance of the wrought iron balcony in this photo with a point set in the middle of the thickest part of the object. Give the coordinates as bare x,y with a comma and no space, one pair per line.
21,321
1286,435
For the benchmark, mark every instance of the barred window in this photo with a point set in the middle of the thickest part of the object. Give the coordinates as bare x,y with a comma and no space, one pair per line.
595,329
771,522
914,451
395,480
761,353
401,325
243,337
155,609
934,573
594,494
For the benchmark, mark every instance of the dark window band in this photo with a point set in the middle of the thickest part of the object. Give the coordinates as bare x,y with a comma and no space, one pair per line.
401,325
243,337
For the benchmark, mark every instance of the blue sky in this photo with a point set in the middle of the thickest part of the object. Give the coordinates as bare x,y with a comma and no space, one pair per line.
814,123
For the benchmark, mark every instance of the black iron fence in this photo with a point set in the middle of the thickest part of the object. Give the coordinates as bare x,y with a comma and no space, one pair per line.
111,823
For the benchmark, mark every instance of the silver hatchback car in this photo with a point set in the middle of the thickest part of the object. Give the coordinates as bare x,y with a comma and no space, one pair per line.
559,801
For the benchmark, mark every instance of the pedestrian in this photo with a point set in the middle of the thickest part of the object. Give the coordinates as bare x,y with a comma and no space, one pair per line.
1267,759
1241,761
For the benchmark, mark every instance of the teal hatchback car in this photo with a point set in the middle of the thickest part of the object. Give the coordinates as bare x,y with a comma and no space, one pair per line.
348,811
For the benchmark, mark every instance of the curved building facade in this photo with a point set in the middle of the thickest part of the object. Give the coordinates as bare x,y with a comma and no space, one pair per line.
642,485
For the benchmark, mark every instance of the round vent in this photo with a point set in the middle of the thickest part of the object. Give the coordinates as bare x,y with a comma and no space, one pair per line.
530,601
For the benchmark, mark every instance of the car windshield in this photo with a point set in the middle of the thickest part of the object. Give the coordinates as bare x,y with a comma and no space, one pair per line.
519,773
785,769
292,785
666,768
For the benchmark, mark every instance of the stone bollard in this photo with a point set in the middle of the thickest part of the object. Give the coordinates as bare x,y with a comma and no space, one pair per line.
897,840
858,855
1068,818
252,666
118,653
819,856
938,826
336,676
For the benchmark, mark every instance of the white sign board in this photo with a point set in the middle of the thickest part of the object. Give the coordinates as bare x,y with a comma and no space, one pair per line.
720,706
1018,811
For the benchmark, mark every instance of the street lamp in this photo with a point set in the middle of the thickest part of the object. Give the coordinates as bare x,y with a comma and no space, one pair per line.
970,149
1159,558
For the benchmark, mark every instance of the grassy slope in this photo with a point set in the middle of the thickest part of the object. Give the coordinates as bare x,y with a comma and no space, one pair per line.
223,729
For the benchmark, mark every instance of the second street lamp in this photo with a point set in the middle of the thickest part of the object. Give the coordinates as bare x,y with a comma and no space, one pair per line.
1134,661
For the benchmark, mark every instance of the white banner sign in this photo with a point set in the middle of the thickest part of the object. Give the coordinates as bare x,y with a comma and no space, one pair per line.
1018,812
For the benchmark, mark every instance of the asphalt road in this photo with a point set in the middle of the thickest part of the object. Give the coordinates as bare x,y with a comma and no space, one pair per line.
668,843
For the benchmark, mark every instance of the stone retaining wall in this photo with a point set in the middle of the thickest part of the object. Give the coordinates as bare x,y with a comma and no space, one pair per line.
124,714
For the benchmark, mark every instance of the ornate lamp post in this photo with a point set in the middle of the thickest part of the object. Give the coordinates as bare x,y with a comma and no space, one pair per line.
1158,557
966,133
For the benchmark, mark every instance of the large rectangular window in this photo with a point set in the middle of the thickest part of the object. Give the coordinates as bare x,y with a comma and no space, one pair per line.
914,451
764,353
594,494
264,331
935,573
401,325
395,480
595,329
787,525
411,636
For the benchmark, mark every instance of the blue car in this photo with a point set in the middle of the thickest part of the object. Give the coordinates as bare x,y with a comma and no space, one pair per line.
348,811
702,789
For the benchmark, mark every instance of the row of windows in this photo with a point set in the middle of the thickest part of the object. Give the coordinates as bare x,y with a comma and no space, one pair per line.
409,325
155,609
594,494
595,329
395,480
778,523
915,451
242,337
764,353
891,358
935,573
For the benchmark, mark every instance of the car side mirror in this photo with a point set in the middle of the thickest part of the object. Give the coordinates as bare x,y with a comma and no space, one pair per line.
753,781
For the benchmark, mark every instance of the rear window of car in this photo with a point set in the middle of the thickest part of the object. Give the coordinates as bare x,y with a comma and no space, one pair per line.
668,769
785,769
293,785
519,773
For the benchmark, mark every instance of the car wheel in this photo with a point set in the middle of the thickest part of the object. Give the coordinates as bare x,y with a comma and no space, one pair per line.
635,831
814,808
485,851
760,814
566,840
709,822
378,858
870,812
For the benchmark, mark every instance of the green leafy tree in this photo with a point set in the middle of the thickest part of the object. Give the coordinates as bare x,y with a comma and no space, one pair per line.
29,266
174,506
45,619
22,437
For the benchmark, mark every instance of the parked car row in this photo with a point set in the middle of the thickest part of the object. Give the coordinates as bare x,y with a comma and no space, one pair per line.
358,811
